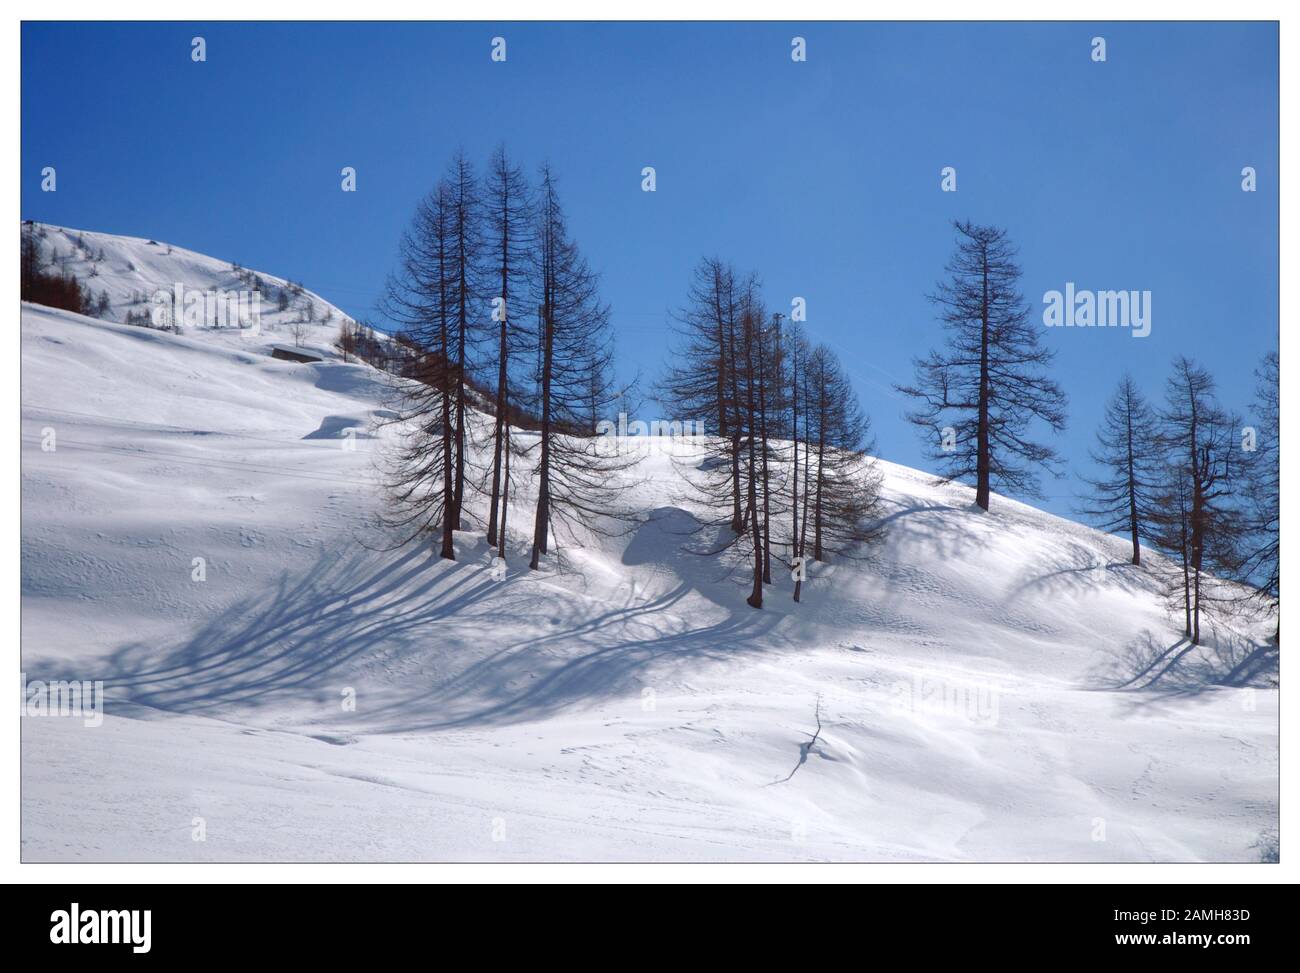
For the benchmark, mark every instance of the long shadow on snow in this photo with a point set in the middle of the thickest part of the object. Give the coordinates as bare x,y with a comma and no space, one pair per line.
610,653
285,641
1080,569
428,622
1180,669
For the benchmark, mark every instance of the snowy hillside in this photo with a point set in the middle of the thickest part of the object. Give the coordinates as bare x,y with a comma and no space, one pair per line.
996,686
131,270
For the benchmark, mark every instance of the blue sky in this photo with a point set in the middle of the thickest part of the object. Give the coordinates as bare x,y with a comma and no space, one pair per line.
823,176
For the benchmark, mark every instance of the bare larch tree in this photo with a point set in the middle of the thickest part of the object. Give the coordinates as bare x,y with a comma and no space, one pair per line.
1123,498
978,399
508,263
576,478
1200,520
1260,566
465,252
419,297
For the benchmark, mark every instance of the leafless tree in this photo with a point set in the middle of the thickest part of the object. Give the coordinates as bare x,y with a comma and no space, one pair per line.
464,290
841,488
575,477
978,398
421,295
1128,450
509,259
1200,522
1261,563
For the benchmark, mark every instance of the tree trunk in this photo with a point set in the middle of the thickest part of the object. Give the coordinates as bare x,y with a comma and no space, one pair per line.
982,428
762,413
440,374
1132,487
755,599
794,457
460,415
502,378
505,496
807,492
448,489
737,516
542,522
817,504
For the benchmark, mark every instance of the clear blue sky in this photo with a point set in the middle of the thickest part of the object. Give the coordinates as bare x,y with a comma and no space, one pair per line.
822,176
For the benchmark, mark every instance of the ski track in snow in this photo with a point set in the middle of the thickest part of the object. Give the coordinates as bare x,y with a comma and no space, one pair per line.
993,687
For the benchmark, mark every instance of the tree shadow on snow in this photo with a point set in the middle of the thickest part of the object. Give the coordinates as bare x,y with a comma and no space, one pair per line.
1080,570
435,643
610,653
1179,669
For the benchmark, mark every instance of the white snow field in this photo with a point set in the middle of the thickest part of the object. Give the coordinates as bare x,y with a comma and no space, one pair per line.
990,687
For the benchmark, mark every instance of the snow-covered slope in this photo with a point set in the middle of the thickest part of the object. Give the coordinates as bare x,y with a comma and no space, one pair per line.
131,270
988,687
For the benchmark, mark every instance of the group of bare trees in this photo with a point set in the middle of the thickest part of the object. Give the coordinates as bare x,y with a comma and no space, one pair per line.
1188,479
499,313
785,465
1199,484
1260,559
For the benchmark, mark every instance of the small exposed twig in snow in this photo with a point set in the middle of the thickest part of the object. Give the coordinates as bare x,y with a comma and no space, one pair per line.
806,748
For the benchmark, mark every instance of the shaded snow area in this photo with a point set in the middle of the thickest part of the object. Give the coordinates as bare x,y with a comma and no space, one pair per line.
990,687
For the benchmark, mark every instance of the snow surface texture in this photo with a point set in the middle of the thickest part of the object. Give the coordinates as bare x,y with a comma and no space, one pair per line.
988,687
